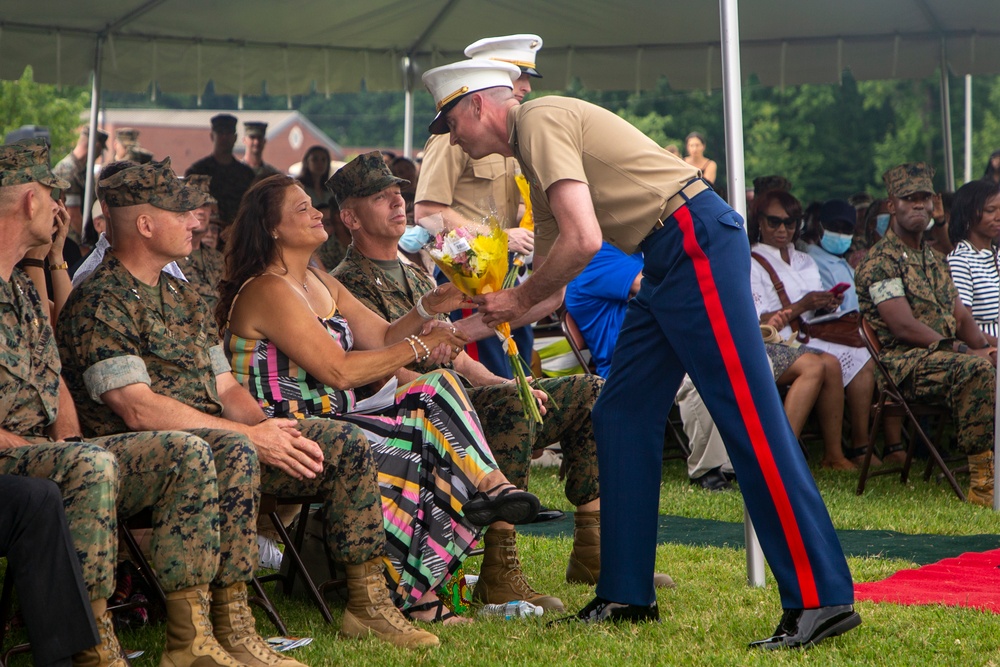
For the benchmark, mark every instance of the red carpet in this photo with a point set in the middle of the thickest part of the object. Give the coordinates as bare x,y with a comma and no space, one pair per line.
971,580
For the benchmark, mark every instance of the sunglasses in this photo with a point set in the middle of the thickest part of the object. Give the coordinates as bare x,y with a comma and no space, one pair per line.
774,222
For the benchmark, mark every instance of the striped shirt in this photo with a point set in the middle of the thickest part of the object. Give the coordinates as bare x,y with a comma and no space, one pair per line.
976,274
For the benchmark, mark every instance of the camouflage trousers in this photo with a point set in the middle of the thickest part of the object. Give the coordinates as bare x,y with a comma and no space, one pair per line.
348,485
967,385
506,431
87,477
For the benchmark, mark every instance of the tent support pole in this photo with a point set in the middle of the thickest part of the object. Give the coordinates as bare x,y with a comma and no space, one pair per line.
949,154
95,104
407,107
968,128
732,95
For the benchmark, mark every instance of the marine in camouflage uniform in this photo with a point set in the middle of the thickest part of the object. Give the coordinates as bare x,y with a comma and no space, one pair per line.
936,374
497,405
203,267
118,331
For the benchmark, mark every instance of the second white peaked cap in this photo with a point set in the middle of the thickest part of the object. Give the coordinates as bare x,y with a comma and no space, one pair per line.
518,50
450,83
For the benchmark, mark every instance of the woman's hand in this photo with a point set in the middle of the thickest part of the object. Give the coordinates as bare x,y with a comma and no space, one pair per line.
443,340
444,299
780,319
61,222
817,301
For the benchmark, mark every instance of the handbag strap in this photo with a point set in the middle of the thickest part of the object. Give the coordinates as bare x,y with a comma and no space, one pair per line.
779,286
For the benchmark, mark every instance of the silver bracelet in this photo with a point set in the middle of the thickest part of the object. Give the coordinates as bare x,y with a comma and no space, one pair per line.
421,311
416,357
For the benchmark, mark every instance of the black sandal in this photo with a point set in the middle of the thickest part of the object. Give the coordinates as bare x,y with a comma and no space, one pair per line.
892,449
441,612
855,453
511,505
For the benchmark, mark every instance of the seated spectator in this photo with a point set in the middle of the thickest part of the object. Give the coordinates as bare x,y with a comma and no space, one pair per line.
313,174
372,272
203,267
975,270
300,343
873,227
140,353
992,172
796,285
333,250
931,345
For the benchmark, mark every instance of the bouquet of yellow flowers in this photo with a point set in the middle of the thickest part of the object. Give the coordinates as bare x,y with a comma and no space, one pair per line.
474,258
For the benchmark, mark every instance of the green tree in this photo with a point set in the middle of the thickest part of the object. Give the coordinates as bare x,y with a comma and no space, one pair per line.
24,102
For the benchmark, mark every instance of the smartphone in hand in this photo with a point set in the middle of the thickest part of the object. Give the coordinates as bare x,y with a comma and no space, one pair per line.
840,288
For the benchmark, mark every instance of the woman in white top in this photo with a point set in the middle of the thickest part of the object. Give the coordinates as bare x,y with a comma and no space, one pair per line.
773,227
975,223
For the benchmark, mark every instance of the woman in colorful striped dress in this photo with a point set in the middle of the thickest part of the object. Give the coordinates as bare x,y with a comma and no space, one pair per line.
300,342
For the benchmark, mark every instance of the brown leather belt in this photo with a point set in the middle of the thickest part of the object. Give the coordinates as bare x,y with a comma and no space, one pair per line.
693,188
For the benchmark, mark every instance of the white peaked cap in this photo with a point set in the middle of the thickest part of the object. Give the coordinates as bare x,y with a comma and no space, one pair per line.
450,83
518,50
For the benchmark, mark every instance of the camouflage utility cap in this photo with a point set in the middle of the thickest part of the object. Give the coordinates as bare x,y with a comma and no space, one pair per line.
254,128
127,136
27,161
362,177
155,184
907,179
201,182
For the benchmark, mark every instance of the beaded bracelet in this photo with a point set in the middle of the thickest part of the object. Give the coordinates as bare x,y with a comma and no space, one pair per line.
416,339
423,312
416,357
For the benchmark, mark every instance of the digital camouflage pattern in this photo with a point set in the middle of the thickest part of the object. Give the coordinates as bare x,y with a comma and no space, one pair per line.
498,406
138,154
964,382
74,172
27,161
331,253
203,268
109,318
154,183
202,183
362,177
127,136
906,179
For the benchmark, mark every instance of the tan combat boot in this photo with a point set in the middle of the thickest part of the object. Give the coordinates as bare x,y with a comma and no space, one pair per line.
190,642
500,577
370,610
584,565
108,653
234,629
981,479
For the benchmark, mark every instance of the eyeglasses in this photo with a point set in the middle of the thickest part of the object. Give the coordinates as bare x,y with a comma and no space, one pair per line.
774,222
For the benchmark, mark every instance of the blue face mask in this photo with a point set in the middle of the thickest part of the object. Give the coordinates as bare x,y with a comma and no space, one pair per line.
835,244
882,223
414,238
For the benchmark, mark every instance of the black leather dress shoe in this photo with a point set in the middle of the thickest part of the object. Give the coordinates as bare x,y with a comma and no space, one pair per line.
546,514
802,628
713,480
600,611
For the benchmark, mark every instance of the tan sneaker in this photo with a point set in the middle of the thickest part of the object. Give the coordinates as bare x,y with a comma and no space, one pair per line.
190,642
500,577
370,610
233,627
108,653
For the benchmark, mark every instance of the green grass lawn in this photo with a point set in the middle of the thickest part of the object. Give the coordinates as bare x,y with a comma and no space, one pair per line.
711,615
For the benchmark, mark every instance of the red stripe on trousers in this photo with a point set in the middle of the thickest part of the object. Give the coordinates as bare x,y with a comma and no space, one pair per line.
744,401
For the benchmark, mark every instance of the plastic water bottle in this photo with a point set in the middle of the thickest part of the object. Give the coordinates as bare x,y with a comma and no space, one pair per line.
511,610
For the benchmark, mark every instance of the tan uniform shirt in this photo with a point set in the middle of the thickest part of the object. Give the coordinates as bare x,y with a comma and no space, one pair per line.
449,176
630,177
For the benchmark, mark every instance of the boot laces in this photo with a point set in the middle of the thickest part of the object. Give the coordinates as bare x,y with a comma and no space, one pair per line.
515,575
205,622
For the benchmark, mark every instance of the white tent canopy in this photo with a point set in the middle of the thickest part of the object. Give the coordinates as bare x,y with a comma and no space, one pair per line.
295,45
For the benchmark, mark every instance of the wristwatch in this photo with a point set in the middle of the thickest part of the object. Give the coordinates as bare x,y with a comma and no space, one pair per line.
962,348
